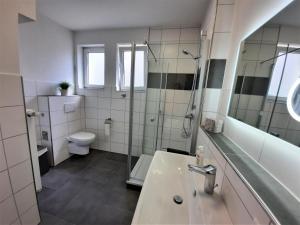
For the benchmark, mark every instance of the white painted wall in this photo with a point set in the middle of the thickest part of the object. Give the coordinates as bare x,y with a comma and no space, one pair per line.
46,51
46,58
275,155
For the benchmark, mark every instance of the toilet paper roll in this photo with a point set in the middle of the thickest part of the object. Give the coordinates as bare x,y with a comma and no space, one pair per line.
107,129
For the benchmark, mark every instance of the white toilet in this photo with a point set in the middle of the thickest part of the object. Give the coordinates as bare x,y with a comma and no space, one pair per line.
79,143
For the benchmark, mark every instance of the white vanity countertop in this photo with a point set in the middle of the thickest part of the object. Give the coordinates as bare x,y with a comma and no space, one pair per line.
167,176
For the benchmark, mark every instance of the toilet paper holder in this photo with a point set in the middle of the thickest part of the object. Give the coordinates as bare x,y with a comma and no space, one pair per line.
107,125
108,121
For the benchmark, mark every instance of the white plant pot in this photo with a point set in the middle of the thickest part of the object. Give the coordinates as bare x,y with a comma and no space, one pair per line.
64,92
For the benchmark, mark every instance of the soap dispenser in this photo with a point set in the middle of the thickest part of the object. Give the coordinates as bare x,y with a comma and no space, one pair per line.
200,155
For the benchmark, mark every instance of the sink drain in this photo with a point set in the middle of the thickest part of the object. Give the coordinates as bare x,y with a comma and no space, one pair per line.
177,199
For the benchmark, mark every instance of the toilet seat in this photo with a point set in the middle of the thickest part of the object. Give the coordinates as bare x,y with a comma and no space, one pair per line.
82,138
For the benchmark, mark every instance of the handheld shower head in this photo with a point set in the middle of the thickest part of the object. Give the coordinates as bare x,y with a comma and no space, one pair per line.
186,52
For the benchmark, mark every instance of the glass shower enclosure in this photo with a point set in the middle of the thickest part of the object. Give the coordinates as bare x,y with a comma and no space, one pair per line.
172,102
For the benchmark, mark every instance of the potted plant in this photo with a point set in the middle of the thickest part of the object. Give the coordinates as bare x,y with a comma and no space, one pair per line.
63,87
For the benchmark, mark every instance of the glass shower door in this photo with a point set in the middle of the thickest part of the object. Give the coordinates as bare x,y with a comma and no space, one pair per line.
153,119
133,118
149,124
172,101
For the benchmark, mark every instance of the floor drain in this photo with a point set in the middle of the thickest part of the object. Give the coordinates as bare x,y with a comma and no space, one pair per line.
177,199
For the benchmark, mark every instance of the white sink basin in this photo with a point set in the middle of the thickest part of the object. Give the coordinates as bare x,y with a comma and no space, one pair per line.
168,176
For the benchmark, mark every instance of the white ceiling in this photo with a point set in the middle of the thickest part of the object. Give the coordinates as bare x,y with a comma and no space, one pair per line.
289,16
96,14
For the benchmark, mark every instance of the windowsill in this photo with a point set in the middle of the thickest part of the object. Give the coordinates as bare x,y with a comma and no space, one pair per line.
95,88
138,91
102,87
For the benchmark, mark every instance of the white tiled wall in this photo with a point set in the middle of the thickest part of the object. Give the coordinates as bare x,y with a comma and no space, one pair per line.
17,192
168,45
266,149
220,49
259,46
105,103
273,154
108,103
33,89
281,123
210,103
263,147
240,202
169,133
247,108
60,124
64,123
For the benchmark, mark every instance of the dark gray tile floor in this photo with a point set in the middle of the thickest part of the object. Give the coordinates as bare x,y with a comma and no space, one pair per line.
88,190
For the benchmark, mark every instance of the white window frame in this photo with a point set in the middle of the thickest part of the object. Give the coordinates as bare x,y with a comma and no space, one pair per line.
120,79
86,51
282,54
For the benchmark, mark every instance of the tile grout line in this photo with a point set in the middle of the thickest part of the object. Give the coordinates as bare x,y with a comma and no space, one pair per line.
10,182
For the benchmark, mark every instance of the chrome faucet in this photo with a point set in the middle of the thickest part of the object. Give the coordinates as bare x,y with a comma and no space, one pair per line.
209,172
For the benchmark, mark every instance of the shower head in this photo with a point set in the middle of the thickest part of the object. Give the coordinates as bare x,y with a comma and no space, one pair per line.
186,52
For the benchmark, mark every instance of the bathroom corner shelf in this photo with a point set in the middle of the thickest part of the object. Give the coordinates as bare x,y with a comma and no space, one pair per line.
278,202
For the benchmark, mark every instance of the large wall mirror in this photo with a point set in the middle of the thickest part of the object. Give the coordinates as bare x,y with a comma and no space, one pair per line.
266,92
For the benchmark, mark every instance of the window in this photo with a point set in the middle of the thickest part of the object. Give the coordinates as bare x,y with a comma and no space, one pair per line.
94,66
289,76
124,67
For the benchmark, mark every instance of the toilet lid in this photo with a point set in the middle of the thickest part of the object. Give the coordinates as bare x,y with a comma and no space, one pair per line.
82,136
